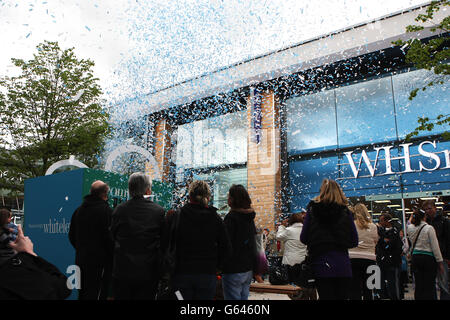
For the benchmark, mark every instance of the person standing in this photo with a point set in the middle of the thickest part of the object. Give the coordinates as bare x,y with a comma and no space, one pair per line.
441,225
329,231
89,235
137,229
389,251
294,250
363,256
237,272
202,245
426,258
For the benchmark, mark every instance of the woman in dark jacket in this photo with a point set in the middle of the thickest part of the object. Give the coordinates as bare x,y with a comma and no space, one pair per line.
238,271
329,231
202,246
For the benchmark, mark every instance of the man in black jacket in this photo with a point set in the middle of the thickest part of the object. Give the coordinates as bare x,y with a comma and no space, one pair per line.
89,235
137,229
441,225
388,252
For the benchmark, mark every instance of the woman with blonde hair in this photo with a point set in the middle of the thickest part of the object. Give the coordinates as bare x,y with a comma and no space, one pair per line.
202,245
329,231
363,256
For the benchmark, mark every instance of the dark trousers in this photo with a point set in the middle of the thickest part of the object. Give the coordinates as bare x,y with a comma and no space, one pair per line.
358,286
95,281
134,289
424,268
333,288
390,282
195,286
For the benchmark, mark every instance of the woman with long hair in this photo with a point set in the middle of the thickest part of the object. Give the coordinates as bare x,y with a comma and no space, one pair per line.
329,231
202,245
363,256
240,225
426,256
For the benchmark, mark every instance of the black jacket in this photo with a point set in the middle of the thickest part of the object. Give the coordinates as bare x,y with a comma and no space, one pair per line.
137,229
89,233
330,229
241,230
389,247
441,225
27,277
202,241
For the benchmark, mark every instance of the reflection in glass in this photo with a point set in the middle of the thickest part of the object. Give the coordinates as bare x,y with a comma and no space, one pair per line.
212,142
365,113
311,122
220,182
429,103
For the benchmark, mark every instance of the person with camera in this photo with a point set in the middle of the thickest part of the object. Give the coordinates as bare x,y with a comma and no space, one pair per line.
26,276
389,251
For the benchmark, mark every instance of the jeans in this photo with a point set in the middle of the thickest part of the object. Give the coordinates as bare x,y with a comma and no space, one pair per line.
236,286
195,286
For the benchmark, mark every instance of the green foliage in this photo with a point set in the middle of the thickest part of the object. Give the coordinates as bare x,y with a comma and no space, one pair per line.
52,110
431,55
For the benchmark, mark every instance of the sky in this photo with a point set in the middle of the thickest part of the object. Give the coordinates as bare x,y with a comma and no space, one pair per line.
141,46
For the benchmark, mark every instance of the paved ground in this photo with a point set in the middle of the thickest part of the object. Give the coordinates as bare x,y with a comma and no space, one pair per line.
409,295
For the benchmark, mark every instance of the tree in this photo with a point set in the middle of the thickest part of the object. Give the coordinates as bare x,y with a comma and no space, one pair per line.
52,110
430,55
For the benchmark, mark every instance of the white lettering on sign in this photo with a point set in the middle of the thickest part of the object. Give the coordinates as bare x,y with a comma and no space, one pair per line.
433,163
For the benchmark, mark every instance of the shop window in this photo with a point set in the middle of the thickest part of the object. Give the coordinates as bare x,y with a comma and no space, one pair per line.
311,123
429,103
365,113
212,142
430,163
306,177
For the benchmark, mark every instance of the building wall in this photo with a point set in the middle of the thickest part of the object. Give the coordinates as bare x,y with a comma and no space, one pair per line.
263,162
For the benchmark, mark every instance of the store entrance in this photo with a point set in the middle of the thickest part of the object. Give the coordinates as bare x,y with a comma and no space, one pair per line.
394,204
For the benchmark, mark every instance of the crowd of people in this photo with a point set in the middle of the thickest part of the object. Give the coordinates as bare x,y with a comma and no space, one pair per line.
123,253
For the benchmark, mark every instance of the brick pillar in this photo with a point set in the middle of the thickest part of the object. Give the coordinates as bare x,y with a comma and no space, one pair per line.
263,163
162,149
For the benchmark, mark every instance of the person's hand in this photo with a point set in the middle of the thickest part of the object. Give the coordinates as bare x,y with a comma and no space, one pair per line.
22,243
441,267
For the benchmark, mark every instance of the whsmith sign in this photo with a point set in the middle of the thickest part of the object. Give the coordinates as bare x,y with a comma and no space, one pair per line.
428,161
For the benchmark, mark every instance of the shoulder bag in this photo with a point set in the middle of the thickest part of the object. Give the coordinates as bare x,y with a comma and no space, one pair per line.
414,244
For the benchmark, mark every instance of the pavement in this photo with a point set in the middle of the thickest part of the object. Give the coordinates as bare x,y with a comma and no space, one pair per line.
409,294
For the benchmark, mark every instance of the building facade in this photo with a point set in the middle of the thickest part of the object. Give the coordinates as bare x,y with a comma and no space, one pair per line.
332,107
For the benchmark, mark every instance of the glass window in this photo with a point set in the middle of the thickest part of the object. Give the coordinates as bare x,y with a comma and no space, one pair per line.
311,123
370,171
306,177
436,176
365,113
220,182
212,142
429,103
